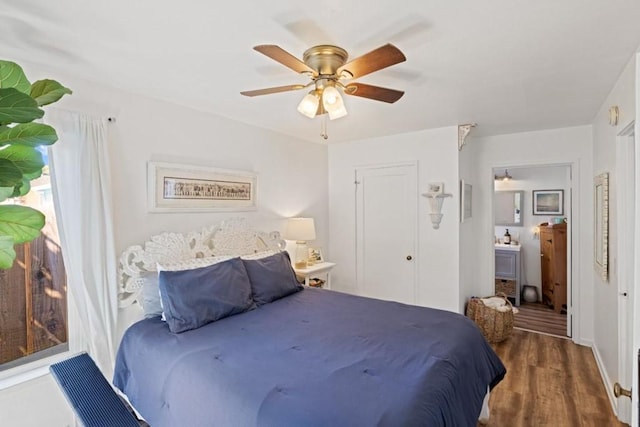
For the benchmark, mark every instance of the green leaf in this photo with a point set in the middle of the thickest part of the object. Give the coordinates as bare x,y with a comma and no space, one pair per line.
22,189
10,175
33,175
5,193
27,159
47,91
7,252
32,134
11,75
22,223
18,107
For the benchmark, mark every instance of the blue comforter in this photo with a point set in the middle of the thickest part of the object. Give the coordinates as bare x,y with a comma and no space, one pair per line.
314,358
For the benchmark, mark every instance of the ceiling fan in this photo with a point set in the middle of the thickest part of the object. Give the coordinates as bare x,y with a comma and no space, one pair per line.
328,69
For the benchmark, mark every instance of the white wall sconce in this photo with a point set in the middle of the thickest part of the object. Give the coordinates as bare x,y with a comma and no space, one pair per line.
435,205
536,232
614,115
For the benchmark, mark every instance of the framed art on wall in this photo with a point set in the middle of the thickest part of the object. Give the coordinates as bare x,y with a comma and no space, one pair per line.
173,187
601,221
315,255
548,202
466,194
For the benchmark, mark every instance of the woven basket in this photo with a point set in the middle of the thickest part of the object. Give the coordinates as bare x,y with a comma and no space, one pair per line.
496,326
507,287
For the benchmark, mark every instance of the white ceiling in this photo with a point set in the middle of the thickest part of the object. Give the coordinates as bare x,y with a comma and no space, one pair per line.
509,65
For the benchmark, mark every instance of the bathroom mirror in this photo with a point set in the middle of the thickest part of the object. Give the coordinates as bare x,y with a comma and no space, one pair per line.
507,207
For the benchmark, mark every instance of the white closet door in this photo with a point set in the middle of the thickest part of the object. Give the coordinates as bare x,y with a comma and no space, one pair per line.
386,231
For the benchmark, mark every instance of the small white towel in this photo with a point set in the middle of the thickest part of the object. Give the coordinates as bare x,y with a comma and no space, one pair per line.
496,303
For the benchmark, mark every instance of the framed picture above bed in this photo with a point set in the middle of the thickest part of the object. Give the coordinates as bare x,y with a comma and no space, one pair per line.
173,187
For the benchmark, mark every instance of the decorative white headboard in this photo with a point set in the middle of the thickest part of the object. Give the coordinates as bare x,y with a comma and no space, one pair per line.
232,237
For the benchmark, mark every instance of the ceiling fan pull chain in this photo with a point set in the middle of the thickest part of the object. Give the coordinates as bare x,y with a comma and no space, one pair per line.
323,127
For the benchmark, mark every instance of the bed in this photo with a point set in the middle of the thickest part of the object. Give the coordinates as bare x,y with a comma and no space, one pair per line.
313,357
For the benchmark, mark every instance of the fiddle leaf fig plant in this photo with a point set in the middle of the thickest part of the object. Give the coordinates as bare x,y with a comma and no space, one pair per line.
20,160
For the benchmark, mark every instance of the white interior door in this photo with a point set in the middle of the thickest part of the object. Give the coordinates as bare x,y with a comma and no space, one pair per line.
386,231
570,249
626,181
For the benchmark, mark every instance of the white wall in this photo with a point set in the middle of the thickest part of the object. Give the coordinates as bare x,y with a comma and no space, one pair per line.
35,403
292,174
636,293
467,172
569,146
604,160
528,179
292,180
437,155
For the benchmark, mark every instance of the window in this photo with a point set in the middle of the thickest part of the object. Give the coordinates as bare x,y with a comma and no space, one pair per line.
33,293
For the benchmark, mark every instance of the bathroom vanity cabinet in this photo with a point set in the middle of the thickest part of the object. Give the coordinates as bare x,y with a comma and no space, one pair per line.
507,263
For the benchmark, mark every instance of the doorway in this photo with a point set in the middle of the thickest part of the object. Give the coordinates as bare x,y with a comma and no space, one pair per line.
532,211
626,181
386,231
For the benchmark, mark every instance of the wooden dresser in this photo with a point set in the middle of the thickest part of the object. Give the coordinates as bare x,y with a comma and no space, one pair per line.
553,253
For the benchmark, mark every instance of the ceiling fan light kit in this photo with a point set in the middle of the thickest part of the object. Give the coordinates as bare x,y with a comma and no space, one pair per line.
309,104
333,103
327,67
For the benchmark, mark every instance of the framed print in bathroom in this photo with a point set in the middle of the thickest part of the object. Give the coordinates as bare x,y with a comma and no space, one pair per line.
173,187
548,202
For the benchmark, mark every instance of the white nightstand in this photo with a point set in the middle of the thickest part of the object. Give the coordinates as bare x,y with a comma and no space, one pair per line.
312,270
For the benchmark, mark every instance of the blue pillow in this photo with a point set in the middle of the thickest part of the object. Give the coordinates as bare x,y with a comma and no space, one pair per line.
271,278
193,298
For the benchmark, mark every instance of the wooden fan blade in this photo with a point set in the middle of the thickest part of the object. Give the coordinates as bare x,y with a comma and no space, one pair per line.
382,57
373,92
285,58
269,90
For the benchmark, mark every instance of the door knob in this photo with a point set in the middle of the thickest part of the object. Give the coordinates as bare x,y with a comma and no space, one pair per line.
409,257
619,391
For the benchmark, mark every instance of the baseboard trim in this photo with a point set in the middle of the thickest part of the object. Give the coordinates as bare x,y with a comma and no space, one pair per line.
608,385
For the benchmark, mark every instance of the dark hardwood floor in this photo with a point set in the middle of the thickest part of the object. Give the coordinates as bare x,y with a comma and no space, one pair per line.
550,381
538,317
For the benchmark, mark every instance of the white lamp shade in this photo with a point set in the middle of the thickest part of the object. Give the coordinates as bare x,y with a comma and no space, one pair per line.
309,105
333,103
338,112
300,229
330,97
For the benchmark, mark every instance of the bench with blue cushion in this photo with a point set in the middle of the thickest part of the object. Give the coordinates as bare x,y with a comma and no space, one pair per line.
95,403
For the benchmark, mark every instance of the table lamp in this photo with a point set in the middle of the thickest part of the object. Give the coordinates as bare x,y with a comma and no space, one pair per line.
301,230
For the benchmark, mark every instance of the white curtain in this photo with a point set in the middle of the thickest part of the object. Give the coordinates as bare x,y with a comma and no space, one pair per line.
81,190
